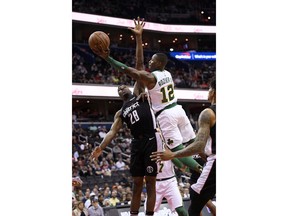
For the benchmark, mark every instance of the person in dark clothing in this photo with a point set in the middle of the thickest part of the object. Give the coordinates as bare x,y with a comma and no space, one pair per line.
193,179
204,145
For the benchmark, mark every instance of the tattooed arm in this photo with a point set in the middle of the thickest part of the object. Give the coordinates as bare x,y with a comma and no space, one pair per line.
206,120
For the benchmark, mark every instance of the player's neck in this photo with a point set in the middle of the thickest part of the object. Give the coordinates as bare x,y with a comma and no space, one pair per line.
127,97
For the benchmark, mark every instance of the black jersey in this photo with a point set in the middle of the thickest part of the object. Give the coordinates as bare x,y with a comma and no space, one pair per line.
213,131
139,117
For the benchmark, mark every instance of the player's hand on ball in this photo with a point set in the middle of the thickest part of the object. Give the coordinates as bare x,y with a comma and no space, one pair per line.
102,53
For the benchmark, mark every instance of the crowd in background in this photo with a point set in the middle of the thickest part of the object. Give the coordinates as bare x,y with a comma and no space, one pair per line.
107,181
165,11
91,69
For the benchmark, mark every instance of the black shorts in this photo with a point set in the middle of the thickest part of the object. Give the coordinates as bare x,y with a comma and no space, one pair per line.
195,175
140,162
198,201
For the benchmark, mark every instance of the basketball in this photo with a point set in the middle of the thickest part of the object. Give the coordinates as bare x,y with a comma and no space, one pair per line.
99,42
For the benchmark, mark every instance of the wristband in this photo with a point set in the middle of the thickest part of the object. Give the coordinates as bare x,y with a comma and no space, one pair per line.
116,64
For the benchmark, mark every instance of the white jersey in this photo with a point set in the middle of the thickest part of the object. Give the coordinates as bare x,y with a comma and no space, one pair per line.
165,169
163,92
166,184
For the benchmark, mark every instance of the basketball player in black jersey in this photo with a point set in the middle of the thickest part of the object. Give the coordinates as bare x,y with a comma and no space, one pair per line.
204,145
193,179
141,121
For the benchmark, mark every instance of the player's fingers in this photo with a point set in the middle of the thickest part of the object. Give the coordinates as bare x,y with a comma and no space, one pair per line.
154,158
134,21
159,160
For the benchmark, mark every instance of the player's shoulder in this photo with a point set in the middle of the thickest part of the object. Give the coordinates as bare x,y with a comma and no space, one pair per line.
206,115
117,114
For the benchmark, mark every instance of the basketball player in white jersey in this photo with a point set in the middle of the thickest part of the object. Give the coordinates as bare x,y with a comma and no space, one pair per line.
167,185
173,121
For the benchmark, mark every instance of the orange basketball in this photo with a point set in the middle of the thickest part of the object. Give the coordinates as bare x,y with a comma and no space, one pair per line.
99,41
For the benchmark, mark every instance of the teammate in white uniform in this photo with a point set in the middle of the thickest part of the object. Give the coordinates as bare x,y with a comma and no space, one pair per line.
167,186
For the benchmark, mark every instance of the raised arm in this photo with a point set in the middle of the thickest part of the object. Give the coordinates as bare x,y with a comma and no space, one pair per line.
206,120
139,87
138,30
116,126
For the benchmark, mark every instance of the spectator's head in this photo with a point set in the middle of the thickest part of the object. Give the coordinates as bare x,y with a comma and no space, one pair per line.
80,205
87,194
158,62
92,195
100,198
129,196
106,202
95,202
114,194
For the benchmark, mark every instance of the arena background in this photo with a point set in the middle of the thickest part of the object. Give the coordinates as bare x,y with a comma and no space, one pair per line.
196,34
36,91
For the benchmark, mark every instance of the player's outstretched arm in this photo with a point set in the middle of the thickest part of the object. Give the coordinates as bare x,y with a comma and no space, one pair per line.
116,126
139,75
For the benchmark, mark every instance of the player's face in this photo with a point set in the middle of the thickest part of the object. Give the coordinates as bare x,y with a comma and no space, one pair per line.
123,90
153,63
211,93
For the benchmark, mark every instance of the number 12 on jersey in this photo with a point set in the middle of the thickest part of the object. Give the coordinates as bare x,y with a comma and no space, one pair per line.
168,93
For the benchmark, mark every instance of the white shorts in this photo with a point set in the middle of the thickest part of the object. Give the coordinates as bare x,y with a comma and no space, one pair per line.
168,189
175,126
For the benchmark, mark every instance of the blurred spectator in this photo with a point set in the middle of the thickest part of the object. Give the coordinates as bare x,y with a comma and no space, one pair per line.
106,171
114,200
86,197
80,209
101,200
124,180
102,131
95,209
89,201
106,203
116,151
120,165
75,153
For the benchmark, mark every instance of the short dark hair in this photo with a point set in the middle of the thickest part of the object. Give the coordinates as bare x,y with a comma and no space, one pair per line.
213,82
161,57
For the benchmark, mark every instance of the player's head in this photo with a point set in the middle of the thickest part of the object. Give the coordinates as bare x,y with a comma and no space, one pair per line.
158,62
212,90
124,92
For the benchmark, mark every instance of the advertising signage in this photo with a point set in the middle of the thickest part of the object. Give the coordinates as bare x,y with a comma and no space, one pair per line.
194,56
